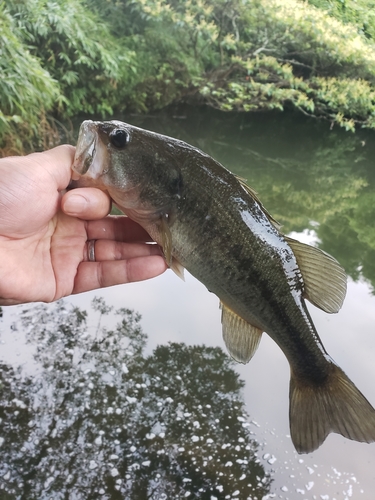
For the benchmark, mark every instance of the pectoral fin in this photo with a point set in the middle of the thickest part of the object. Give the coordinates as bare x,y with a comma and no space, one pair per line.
324,278
241,338
178,268
166,244
166,239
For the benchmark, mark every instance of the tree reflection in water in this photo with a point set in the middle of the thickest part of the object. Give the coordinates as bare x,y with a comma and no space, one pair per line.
103,420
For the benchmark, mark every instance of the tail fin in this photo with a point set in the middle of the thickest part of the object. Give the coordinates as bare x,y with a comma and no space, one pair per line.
334,406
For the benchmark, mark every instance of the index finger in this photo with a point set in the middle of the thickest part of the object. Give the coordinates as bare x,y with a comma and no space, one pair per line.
116,227
57,161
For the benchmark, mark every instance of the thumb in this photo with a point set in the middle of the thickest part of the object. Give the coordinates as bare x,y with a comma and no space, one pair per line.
86,203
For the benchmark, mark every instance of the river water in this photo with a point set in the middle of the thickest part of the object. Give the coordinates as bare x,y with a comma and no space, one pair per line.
318,183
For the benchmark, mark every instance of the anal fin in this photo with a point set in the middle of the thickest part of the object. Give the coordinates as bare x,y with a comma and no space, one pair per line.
240,337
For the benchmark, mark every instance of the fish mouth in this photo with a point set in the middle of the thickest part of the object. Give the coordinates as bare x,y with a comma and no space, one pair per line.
88,159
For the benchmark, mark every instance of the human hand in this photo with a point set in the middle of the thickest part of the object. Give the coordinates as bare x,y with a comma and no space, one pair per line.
44,233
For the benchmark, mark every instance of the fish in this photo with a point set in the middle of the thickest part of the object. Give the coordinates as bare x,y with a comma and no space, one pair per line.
210,222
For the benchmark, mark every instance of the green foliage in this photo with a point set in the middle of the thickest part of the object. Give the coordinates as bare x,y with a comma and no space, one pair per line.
360,13
59,58
76,48
298,56
27,91
100,57
252,55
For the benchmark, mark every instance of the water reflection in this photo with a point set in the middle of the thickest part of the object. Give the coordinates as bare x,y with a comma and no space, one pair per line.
103,420
317,182
307,176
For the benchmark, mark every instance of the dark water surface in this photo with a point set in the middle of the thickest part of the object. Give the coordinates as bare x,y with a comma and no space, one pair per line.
92,408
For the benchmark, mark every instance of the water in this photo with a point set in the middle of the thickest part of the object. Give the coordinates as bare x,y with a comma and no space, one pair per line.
319,184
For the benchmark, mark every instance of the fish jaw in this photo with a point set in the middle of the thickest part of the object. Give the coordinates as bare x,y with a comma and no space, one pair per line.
93,165
100,163
91,159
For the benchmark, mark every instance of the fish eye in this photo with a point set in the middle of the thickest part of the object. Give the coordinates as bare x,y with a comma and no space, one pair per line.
118,138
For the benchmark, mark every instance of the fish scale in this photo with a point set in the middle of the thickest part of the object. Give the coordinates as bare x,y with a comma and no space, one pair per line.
208,221
236,279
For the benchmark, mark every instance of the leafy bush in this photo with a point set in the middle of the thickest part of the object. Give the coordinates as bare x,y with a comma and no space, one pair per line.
76,48
27,90
244,56
98,57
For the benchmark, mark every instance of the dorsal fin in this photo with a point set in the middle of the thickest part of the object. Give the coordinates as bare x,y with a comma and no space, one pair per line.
254,195
324,278
241,338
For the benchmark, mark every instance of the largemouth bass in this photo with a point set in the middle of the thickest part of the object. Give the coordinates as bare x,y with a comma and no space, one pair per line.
210,222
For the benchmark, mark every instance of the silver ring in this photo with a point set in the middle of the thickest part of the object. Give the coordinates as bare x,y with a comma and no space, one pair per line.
91,250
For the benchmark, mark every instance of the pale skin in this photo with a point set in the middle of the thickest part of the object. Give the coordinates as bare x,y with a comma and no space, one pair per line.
44,233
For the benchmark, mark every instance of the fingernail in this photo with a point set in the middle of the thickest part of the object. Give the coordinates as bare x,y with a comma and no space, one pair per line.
75,204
